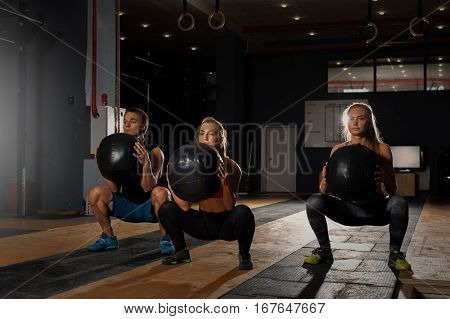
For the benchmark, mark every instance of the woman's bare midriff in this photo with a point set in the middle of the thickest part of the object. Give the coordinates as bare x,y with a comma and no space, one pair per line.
212,205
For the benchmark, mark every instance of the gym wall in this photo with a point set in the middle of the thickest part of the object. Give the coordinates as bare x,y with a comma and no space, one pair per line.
44,137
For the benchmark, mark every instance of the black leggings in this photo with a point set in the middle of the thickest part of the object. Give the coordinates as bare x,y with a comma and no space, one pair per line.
392,211
237,224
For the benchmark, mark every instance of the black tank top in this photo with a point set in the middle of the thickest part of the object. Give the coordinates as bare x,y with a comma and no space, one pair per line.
133,190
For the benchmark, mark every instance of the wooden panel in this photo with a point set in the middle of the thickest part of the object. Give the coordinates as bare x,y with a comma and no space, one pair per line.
411,287
406,184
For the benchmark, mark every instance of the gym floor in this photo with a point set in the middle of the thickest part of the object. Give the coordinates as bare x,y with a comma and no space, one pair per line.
54,263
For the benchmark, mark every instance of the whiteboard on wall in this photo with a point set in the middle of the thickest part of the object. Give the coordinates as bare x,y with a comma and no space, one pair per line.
323,122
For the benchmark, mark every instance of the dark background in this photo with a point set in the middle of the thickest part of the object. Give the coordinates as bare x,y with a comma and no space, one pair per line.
41,132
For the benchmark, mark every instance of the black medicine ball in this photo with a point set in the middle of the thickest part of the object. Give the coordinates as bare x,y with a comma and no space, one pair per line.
351,173
192,172
115,158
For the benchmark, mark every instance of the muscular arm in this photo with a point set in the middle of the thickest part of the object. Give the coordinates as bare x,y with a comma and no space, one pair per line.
152,169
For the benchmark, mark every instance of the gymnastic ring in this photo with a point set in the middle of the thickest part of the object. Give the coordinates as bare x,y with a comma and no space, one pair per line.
417,20
375,31
222,20
190,26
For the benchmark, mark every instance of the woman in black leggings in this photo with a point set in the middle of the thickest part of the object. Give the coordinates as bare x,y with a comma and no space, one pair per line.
217,217
383,208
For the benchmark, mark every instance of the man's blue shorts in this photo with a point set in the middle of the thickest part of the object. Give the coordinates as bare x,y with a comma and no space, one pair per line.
131,212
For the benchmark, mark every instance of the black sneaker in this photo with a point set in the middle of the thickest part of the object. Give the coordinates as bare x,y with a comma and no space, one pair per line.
245,261
182,256
320,255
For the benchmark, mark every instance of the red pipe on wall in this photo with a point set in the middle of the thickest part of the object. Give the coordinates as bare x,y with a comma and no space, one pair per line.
94,60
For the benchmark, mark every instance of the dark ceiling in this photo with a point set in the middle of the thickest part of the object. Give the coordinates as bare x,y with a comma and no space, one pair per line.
261,24
267,23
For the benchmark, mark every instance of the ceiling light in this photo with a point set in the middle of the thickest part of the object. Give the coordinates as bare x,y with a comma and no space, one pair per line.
349,73
353,77
121,13
440,27
400,66
145,25
210,73
440,58
122,37
166,35
442,9
398,60
440,70
345,69
338,63
404,75
381,13
284,5
403,71
296,18
440,64
440,74
374,0
193,48
312,33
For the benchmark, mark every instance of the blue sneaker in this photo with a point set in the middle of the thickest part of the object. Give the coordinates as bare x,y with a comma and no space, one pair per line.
166,246
104,243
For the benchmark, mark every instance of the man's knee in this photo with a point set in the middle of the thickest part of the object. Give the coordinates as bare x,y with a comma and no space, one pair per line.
99,193
160,194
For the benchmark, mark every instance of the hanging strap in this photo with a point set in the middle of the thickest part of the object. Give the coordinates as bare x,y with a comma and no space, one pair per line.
419,20
369,25
217,5
221,17
182,16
